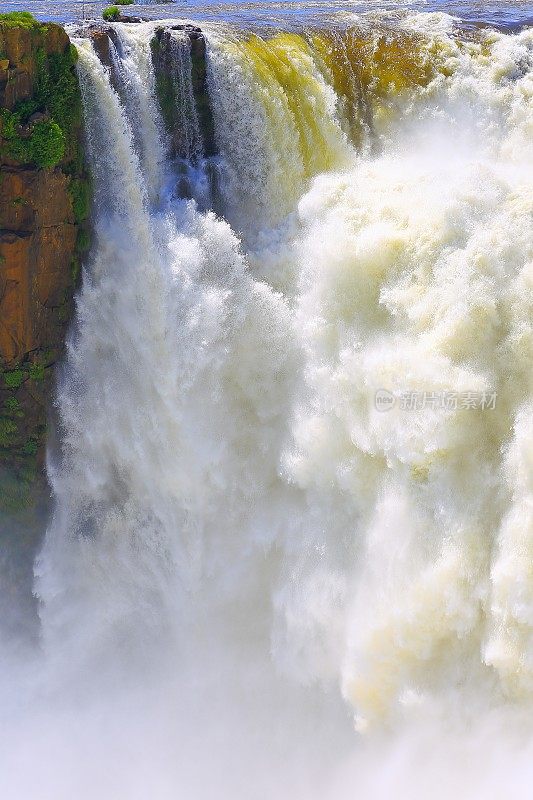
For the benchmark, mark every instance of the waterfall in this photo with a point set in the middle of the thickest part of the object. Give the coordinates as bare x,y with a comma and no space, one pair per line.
291,548
185,358
138,81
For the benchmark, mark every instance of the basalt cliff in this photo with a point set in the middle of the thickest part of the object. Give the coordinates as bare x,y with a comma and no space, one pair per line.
44,231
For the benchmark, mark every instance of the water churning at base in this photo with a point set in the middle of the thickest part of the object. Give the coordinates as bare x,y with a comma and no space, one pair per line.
238,519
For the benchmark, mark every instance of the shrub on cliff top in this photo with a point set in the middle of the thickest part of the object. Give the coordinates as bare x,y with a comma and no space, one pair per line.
110,13
18,19
124,2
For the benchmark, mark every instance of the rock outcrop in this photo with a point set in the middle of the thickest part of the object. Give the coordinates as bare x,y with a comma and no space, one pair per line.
163,55
106,43
44,210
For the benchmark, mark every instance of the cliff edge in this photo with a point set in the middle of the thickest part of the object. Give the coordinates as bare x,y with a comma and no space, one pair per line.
44,210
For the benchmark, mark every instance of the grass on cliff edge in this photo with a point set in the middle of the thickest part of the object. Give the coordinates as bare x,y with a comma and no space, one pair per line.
19,19
111,13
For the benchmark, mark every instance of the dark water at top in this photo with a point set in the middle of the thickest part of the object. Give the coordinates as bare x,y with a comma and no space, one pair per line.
510,15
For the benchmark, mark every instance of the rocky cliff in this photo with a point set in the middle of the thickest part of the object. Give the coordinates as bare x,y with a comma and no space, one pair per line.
44,209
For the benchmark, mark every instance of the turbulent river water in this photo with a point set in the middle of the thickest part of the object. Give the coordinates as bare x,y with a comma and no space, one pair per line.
507,14
291,551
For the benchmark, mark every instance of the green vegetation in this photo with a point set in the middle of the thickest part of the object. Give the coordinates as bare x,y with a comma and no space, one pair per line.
57,87
83,240
111,13
30,447
48,144
19,19
45,142
80,192
124,2
44,146
8,429
15,378
12,407
36,372
203,106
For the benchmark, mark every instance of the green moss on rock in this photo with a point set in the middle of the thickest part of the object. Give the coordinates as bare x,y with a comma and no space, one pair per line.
43,146
111,13
28,137
15,378
8,428
19,19
80,192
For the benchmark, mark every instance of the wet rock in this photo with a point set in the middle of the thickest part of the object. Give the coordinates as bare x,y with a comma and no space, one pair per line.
38,235
101,40
39,116
42,211
16,85
163,64
105,40
126,18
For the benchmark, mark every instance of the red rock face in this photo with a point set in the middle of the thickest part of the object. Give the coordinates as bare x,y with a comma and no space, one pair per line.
37,243
37,225
38,263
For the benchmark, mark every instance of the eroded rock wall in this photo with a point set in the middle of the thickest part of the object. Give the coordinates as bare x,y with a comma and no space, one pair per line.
44,231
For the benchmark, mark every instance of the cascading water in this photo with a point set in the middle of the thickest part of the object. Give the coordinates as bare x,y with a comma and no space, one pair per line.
295,480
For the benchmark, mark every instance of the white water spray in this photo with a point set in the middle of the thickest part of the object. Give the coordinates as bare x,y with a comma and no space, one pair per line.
247,549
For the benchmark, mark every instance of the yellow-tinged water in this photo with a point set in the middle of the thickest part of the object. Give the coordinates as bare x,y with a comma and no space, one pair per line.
410,151
247,543
317,96
321,83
